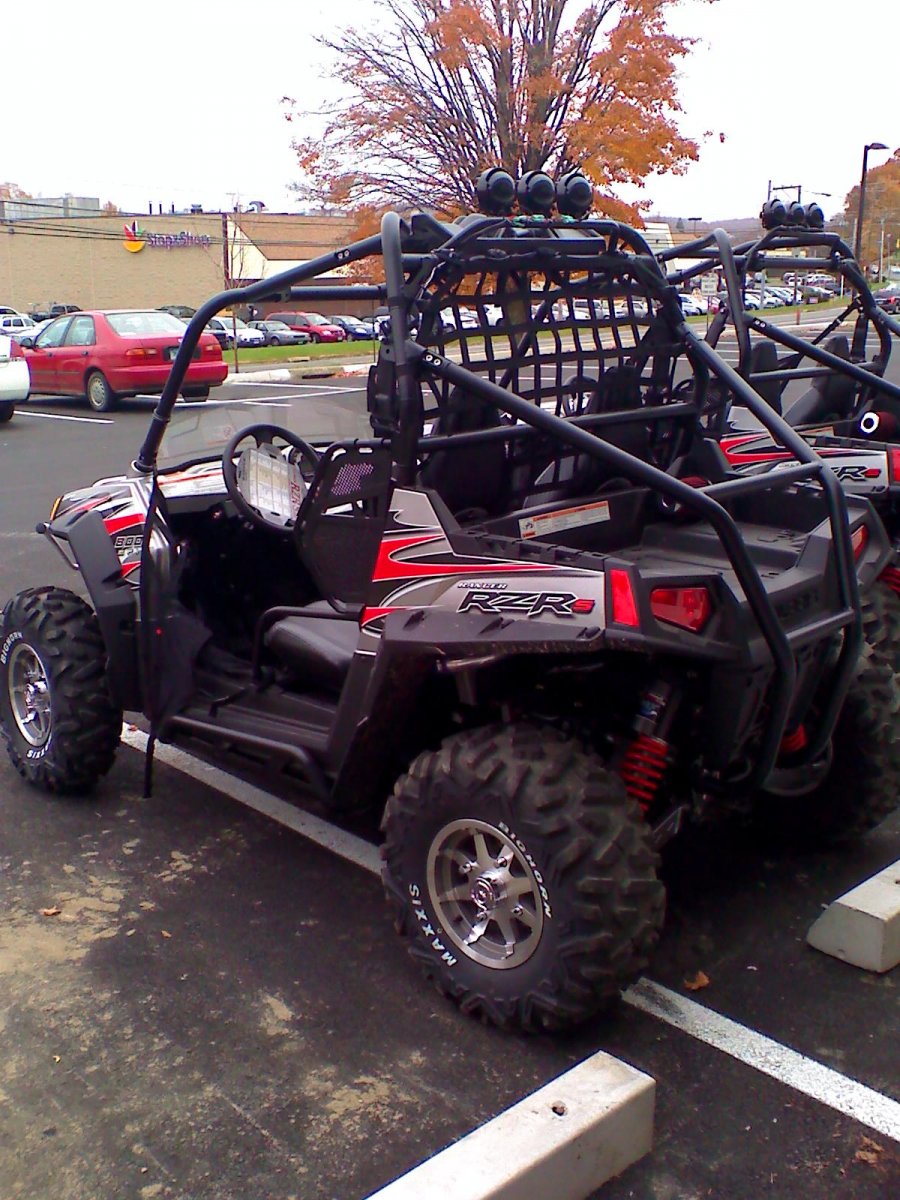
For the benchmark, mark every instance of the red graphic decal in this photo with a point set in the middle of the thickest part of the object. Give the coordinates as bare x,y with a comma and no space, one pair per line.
387,567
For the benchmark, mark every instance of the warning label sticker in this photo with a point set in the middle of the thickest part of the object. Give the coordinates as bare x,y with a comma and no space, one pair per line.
564,518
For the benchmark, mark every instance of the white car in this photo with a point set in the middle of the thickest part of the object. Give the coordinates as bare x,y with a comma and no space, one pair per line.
12,323
691,306
15,377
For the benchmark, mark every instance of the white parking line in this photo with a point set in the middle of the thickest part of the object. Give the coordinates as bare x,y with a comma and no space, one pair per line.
794,1070
316,387
22,412
803,1074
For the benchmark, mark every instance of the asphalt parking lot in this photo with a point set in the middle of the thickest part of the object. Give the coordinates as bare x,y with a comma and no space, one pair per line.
200,1002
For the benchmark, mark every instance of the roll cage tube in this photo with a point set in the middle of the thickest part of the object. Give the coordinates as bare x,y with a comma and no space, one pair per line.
704,501
277,288
745,322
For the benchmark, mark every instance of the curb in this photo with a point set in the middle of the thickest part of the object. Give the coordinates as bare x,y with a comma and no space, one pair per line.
862,927
564,1141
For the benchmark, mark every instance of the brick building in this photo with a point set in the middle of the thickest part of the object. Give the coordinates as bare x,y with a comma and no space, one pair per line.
123,261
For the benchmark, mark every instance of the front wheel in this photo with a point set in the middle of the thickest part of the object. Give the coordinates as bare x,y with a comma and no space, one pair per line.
522,875
61,724
100,395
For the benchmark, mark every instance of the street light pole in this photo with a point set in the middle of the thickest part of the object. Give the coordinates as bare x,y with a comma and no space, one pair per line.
857,248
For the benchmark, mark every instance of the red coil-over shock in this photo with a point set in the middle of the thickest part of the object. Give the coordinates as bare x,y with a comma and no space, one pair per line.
891,577
643,767
644,764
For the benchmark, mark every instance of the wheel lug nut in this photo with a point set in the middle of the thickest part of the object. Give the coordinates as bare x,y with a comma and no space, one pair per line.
517,910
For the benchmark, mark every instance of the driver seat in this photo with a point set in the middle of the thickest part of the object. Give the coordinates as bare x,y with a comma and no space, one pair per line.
315,645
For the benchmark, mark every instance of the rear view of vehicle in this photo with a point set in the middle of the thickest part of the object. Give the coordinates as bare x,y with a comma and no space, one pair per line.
831,386
14,377
534,619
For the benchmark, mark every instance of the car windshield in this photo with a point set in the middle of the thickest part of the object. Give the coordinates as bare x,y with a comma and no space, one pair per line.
317,318
140,324
200,431
276,325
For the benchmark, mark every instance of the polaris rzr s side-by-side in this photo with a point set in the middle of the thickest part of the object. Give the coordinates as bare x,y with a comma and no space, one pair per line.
830,386
528,611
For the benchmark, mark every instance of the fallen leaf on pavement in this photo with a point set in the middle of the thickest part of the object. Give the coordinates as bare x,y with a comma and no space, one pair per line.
165,933
868,1152
700,980
51,912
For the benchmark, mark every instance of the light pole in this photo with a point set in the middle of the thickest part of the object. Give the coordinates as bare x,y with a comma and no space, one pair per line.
857,248
695,220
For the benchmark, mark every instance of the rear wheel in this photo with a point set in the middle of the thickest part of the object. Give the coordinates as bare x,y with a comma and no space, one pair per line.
61,724
522,875
861,786
100,395
7,408
200,393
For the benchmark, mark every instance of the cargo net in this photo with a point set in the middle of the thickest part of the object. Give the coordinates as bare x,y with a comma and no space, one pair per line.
578,343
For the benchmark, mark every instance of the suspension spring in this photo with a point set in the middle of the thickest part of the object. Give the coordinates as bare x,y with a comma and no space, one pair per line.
644,767
891,577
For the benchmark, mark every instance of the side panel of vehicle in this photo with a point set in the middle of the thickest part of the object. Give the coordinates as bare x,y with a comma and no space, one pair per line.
113,601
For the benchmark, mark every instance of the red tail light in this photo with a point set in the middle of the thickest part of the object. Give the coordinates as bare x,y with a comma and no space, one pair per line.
894,464
688,607
624,605
142,352
858,540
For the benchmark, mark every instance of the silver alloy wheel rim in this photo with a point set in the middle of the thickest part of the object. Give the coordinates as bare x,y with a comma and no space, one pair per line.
29,695
96,391
485,894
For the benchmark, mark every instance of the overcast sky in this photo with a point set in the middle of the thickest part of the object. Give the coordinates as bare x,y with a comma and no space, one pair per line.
176,102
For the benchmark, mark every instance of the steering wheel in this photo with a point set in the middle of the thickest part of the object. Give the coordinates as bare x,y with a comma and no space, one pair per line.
267,485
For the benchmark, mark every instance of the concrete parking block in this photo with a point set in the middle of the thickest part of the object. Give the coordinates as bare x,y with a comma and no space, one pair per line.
564,1141
862,927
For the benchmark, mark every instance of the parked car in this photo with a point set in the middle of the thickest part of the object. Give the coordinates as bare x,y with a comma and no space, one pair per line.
370,326
14,381
319,328
30,331
12,323
690,305
184,311
888,298
221,332
55,310
236,328
277,333
354,328
106,355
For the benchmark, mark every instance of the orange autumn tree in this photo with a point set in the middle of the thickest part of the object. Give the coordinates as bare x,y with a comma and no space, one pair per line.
437,90
881,215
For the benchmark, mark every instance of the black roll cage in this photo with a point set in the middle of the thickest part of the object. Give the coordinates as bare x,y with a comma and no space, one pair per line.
413,250
714,250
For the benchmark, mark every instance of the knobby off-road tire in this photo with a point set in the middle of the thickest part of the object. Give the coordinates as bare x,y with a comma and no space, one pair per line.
881,623
520,840
60,723
863,785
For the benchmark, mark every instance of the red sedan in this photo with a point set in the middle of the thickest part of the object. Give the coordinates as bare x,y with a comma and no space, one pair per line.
106,355
314,325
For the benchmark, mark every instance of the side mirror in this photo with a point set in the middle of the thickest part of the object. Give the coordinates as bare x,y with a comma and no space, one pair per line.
27,343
